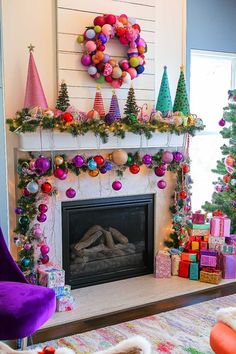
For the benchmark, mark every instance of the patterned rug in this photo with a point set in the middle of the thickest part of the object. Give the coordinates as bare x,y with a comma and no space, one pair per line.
181,331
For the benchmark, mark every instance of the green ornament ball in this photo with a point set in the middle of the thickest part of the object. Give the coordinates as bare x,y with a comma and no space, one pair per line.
132,118
130,159
24,220
80,38
100,80
97,29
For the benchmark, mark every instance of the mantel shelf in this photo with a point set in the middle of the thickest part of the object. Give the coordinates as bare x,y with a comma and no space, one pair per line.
56,141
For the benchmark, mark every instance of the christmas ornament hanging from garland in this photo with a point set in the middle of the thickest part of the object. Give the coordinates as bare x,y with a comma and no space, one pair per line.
99,64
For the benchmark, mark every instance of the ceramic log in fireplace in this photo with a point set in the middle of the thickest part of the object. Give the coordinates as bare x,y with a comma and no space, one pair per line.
107,239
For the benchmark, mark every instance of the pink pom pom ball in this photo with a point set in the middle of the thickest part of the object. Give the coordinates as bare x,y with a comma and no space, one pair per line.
132,72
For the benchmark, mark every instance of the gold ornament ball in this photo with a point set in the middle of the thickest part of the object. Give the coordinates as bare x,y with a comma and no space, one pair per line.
110,157
93,173
120,157
59,160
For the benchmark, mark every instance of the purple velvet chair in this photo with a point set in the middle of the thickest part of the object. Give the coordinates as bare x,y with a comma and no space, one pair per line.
24,308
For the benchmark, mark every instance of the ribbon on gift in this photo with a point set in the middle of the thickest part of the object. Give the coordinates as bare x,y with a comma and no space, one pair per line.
47,350
210,270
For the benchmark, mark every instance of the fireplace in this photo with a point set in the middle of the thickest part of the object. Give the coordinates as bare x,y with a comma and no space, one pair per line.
107,239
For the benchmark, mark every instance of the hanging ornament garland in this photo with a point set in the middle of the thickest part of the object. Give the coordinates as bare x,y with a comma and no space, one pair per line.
99,64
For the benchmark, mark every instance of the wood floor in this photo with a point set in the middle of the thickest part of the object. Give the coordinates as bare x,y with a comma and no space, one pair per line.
80,325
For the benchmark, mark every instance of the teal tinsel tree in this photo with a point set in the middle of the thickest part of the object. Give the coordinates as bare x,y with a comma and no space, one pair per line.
224,196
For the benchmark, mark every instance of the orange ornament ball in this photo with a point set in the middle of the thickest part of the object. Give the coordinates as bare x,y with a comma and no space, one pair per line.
226,178
112,62
67,117
123,19
93,114
99,55
134,169
93,173
141,49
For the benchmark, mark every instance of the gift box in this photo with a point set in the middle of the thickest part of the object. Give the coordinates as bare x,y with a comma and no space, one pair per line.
212,276
51,276
194,271
189,257
203,245
216,242
228,249
198,238
229,266
62,290
198,218
208,258
175,260
64,303
184,269
206,238
231,240
200,232
195,245
192,238
162,265
220,226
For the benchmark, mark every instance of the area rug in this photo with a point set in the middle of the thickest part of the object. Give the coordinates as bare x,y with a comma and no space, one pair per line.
181,331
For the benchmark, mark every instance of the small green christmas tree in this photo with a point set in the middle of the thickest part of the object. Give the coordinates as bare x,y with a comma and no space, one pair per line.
131,108
164,103
224,196
181,103
63,100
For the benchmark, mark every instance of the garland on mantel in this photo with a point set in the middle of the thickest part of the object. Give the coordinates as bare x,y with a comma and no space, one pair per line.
37,176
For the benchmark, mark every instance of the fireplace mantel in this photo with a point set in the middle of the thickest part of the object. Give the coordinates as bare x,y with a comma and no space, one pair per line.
56,141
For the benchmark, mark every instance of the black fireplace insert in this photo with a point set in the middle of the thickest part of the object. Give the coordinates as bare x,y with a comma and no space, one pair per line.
107,239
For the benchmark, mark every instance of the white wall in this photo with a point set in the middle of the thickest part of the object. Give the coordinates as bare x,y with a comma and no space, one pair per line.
28,21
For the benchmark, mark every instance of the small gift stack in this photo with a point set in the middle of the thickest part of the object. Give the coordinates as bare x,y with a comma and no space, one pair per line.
163,265
199,232
51,276
189,266
209,263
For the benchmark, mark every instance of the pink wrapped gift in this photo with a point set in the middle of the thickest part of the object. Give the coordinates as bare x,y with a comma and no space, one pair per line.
220,226
198,218
208,258
163,265
229,266
65,303
50,275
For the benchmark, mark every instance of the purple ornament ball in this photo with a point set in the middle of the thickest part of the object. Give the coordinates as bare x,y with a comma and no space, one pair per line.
178,156
42,164
70,193
167,157
116,185
19,211
42,217
86,60
221,122
159,171
103,170
44,249
78,160
108,165
147,159
102,38
37,232
161,184
110,118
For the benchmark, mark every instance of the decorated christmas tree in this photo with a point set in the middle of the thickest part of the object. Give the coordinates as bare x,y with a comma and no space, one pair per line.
131,108
114,107
181,103
98,105
164,103
63,100
224,196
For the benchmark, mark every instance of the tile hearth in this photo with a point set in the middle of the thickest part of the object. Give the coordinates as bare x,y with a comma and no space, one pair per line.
100,300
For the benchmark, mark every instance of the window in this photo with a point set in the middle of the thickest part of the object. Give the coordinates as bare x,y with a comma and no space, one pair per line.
212,75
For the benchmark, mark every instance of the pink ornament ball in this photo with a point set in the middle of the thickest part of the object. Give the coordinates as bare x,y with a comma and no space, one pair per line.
124,64
222,122
90,46
44,249
159,171
42,217
58,172
45,259
70,193
85,60
132,72
107,29
42,208
116,83
116,185
161,184
167,157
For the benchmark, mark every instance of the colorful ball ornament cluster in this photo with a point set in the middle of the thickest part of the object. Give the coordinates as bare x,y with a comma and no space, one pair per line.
100,65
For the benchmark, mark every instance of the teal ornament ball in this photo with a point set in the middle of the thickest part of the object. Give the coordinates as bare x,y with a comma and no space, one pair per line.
24,220
92,165
32,187
25,262
177,218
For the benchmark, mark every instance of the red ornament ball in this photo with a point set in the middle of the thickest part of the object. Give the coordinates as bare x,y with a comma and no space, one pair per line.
45,259
99,21
137,27
110,19
134,169
46,187
185,168
48,350
182,195
67,117
99,160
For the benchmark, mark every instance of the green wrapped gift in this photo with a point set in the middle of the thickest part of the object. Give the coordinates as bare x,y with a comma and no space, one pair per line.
205,226
194,271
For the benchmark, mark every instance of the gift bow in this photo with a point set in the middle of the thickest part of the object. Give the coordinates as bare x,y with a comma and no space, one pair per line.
47,350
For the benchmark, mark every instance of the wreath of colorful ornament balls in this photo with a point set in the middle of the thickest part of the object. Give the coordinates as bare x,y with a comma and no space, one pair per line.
100,65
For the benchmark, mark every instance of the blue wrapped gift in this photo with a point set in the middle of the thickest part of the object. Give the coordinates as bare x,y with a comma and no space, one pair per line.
194,271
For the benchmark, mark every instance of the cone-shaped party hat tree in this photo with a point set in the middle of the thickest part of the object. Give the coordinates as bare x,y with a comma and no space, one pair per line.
114,107
34,95
181,103
164,103
98,103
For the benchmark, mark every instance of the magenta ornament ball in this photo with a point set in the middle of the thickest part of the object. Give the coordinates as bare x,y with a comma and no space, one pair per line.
43,208
42,164
116,185
45,259
44,249
37,232
58,172
178,156
42,217
86,60
161,184
78,160
167,157
159,171
147,159
63,177
222,122
70,193
27,246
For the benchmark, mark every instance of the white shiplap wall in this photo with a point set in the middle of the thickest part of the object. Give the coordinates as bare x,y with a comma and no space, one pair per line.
72,18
